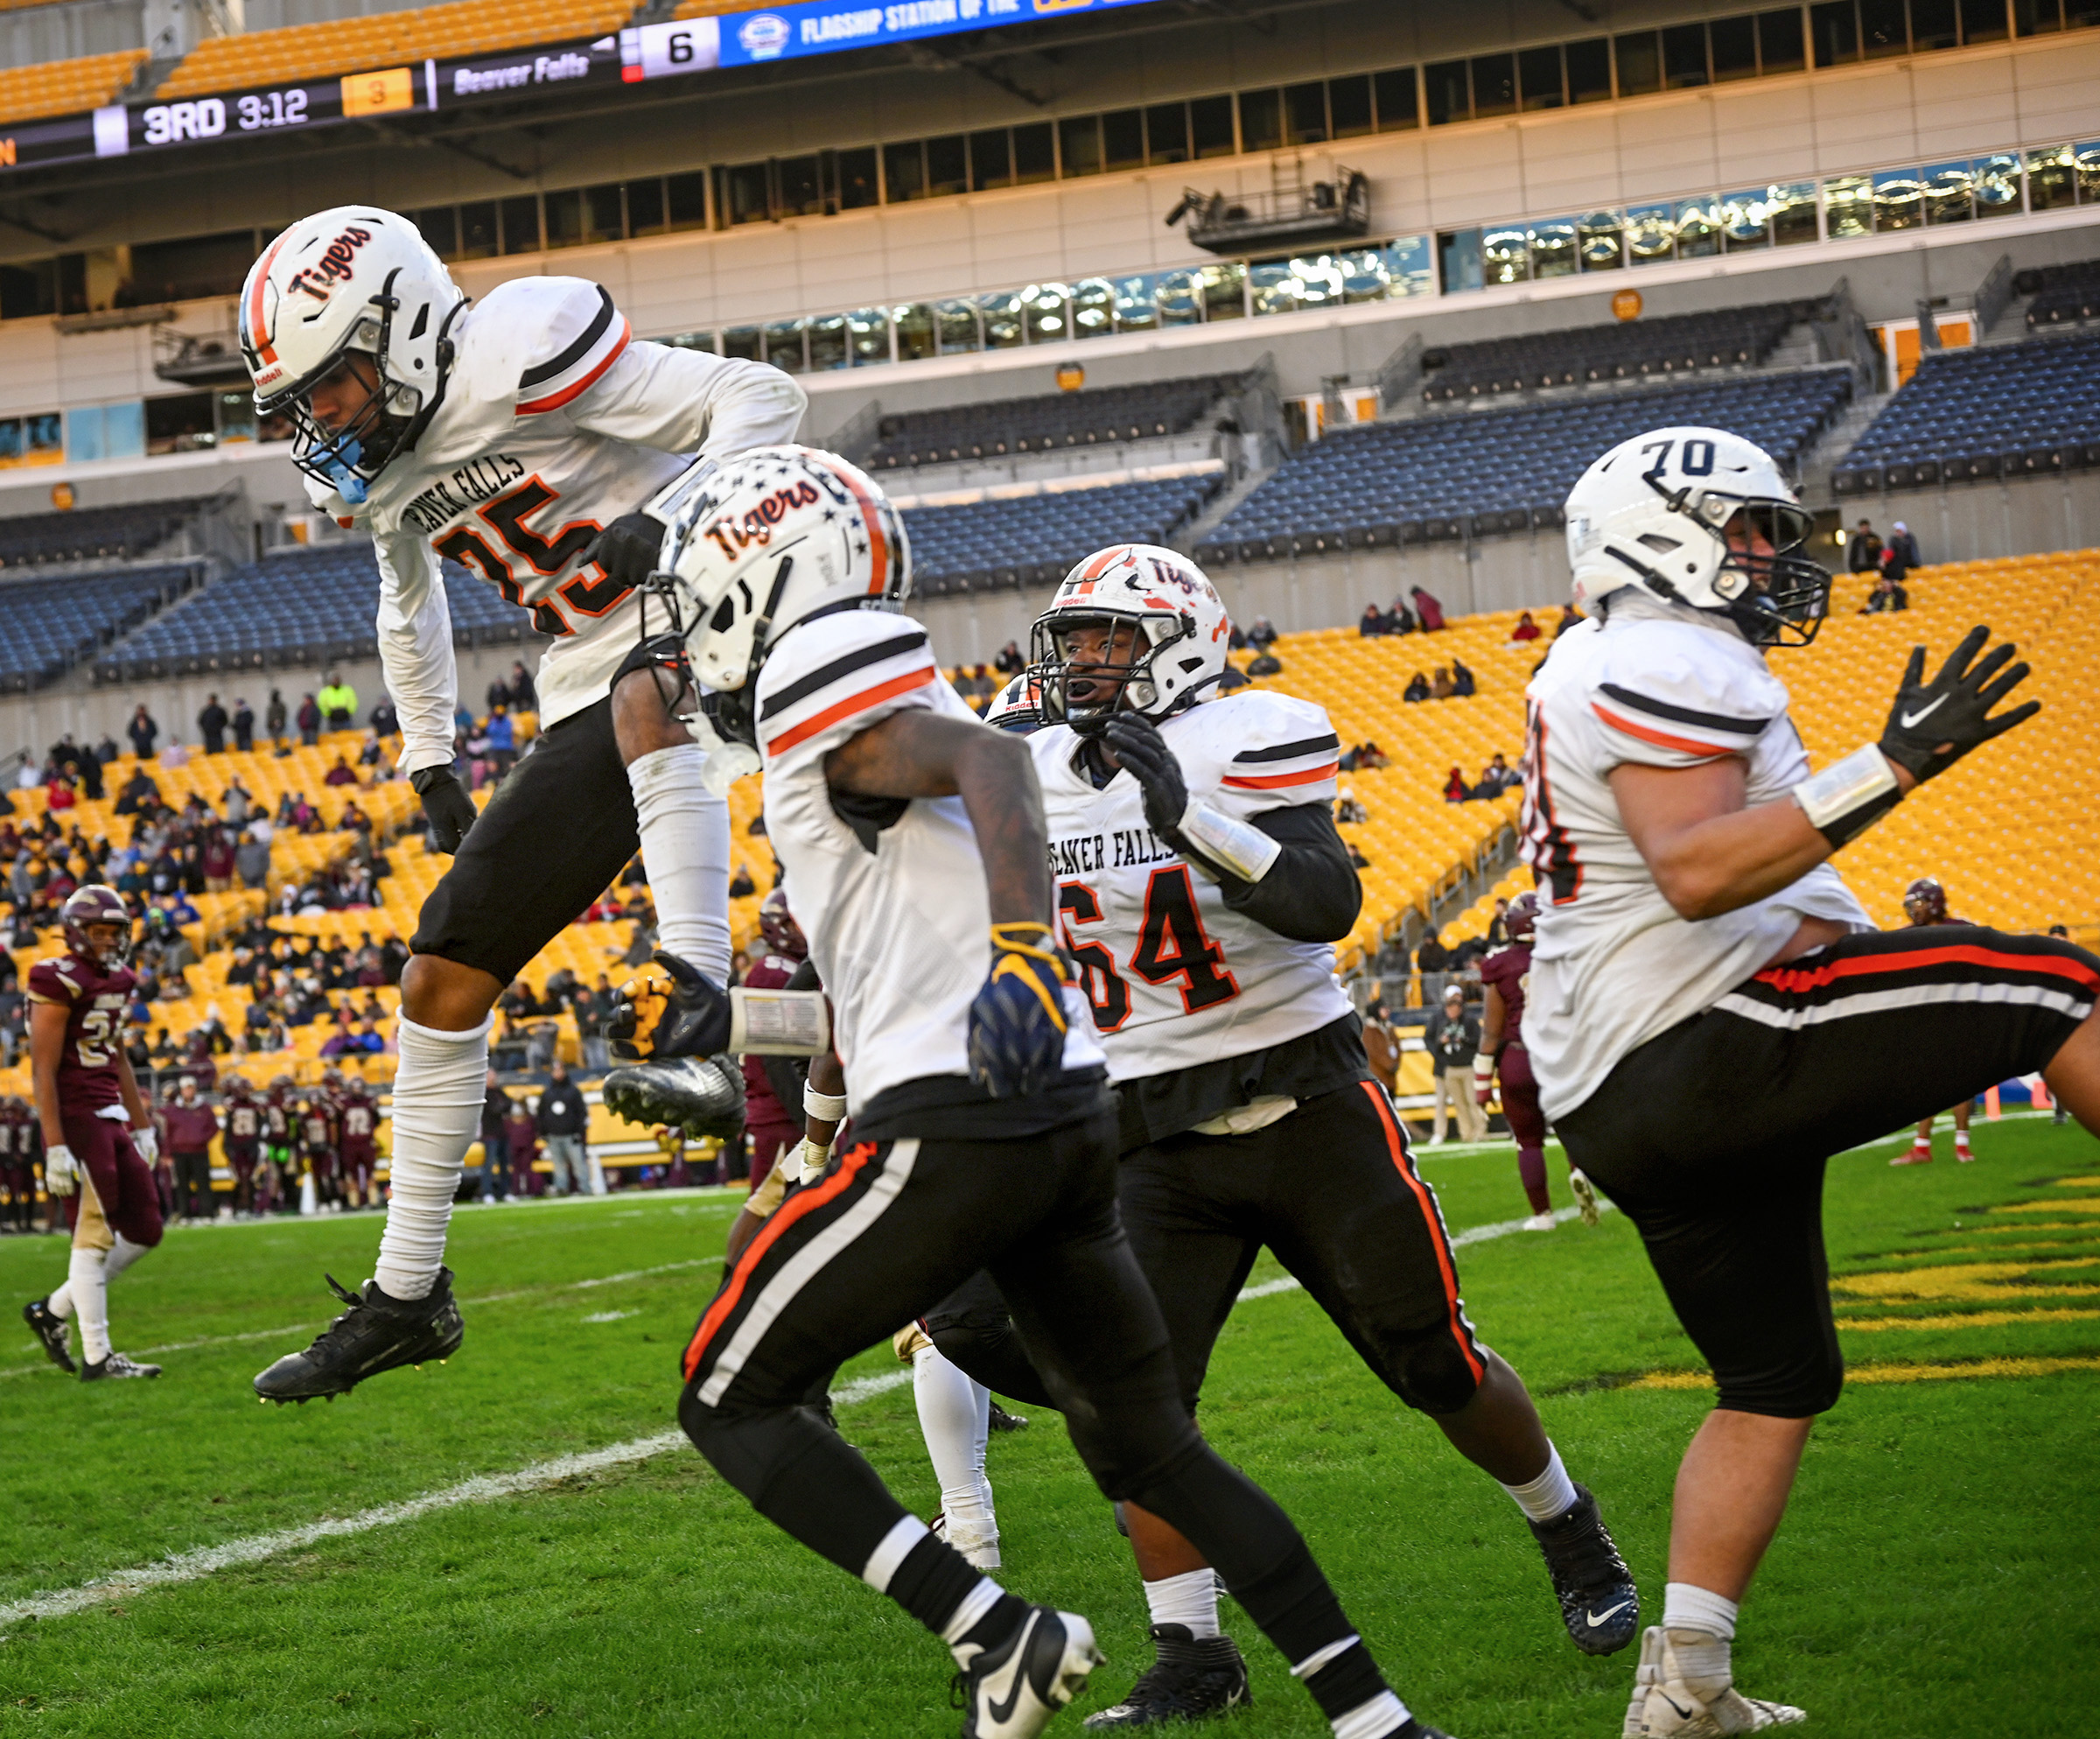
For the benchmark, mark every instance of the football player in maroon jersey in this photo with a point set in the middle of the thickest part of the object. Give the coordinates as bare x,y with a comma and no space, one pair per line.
99,1146
772,1085
243,1141
17,1179
1924,904
357,1118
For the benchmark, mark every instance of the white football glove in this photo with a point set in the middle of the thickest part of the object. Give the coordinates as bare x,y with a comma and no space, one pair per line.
146,1143
812,1159
62,1175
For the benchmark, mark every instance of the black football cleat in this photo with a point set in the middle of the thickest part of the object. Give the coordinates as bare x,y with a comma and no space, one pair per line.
1011,1690
1598,1602
701,1095
670,1010
1190,1681
115,1365
375,1333
51,1331
1003,1421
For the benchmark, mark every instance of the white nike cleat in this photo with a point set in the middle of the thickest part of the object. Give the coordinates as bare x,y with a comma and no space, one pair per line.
978,1542
1540,1222
1683,1689
1010,1691
1585,1196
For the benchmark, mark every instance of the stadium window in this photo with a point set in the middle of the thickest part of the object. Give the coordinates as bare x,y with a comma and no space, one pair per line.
187,270
1685,57
1651,234
1261,120
947,166
787,346
1123,139
1983,21
1848,206
854,179
2036,18
745,344
1590,70
1780,45
903,172
30,289
1306,114
1882,31
746,194
603,218
1002,315
1210,127
913,322
1934,23
957,327
1792,207
1746,221
477,230
1458,261
828,343
1035,154
1043,313
1640,63
1834,26
1093,308
519,219
565,218
1538,77
645,207
1698,224
1601,240
1734,45
1505,253
990,159
1449,91
1394,92
685,200
798,187
182,423
1166,133
440,228
868,336
1899,199
236,414
2081,14
1178,295
1950,192
1079,146
1553,250
1494,85
1349,105
2052,179
1224,291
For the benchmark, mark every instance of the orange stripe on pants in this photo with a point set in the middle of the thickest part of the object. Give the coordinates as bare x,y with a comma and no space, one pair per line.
1398,1149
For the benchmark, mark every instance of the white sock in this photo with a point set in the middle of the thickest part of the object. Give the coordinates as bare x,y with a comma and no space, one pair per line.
1190,1599
88,1281
60,1302
122,1256
1688,1607
685,849
1382,1715
954,1417
440,1084
1552,1494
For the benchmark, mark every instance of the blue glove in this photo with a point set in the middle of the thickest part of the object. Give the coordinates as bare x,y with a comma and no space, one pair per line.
1017,1023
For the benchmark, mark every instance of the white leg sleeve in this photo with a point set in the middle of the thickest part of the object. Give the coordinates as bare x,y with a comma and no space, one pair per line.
954,1415
89,1283
121,1256
60,1302
439,1086
685,849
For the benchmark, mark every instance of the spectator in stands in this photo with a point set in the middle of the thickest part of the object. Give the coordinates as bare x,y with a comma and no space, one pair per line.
374,755
385,721
1417,690
1900,555
1455,790
219,862
1265,665
1262,635
341,774
80,767
1427,610
562,1119
309,721
140,793
1371,756
1349,807
1887,596
190,1124
1356,856
1011,662
1863,549
212,722
1380,1044
106,750
741,886
1441,685
338,702
495,1112
1453,1038
1525,628
57,791
1569,616
144,733
523,696
28,774
251,859
274,719
244,725
1231,679
1371,623
1463,682
502,734
1504,776
176,754
239,803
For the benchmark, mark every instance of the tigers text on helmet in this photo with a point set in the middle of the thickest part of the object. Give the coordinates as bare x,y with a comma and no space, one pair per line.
757,545
1700,518
1179,634
96,903
351,278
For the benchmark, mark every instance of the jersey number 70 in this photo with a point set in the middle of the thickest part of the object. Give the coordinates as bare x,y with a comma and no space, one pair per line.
1171,943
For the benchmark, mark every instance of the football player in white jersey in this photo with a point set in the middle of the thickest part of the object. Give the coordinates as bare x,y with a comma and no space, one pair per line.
1201,886
1712,1015
526,439
913,845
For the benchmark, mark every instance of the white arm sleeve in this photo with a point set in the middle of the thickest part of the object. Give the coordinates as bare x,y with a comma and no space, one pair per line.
416,648
687,401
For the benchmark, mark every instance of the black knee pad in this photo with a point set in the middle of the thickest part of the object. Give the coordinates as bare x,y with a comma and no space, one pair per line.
1430,1372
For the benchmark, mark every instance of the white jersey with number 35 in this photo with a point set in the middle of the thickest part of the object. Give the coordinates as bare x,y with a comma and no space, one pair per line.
1176,977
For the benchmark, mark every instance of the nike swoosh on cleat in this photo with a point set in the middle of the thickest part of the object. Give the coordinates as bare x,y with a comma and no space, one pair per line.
1609,1612
1017,1664
1912,720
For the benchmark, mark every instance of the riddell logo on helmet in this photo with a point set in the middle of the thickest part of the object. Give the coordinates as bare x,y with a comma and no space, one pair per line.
333,267
756,526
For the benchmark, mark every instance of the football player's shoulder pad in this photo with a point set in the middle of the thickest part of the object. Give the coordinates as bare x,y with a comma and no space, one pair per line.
1682,667
533,339
1255,718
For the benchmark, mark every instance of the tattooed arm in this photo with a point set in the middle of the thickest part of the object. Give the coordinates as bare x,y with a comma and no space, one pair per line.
925,755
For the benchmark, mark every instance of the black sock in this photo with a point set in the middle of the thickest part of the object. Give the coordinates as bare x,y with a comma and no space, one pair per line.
1349,1681
934,1579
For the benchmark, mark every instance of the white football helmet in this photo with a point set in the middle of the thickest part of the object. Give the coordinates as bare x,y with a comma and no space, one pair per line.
354,277
762,542
1019,706
1701,518
1181,636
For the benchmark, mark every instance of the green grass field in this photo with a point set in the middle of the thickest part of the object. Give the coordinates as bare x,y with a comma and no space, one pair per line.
1937,1575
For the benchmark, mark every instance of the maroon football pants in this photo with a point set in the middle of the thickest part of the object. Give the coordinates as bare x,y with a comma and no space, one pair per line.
1527,1124
117,1193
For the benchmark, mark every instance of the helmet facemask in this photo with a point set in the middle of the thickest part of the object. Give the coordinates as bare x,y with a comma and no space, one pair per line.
1776,595
1130,683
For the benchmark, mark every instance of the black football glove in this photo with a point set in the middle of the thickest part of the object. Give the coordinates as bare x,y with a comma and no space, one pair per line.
1146,756
1933,725
628,550
445,802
